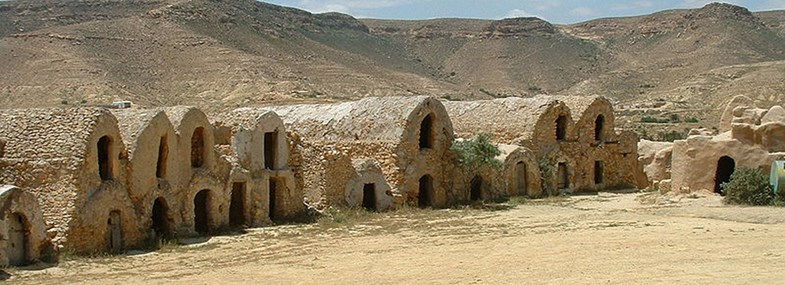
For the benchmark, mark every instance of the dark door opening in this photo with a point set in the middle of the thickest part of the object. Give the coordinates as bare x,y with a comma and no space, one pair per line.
425,192
273,196
598,175
105,158
599,125
18,240
520,178
725,168
426,132
237,205
369,197
562,176
115,231
476,189
197,148
163,154
270,144
202,212
561,128
160,218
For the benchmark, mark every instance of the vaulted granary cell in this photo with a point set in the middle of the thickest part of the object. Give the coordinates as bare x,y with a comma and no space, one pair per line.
725,168
476,188
599,126
561,128
202,212
520,178
197,148
163,154
160,218
114,232
237,205
18,240
369,196
426,132
270,145
105,158
425,193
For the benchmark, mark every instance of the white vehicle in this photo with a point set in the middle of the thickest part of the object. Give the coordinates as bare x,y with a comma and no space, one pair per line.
121,104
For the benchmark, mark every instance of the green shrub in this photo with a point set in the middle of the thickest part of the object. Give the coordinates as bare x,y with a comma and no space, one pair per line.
476,152
748,186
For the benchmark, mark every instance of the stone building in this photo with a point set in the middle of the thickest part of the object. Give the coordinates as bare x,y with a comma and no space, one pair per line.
573,136
74,161
22,228
151,142
409,138
755,138
262,185
202,176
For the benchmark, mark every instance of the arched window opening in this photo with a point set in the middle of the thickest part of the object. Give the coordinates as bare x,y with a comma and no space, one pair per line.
270,146
105,158
425,193
18,243
163,154
561,128
725,168
599,127
426,132
197,148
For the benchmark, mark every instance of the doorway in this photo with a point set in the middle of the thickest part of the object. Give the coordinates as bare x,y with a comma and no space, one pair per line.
476,189
425,191
115,231
237,205
18,240
369,197
725,168
202,212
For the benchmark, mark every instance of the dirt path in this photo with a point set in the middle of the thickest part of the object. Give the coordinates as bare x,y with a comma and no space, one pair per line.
606,238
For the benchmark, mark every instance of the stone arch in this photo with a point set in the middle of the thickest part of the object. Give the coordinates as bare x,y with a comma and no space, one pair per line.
18,239
105,158
197,147
427,132
368,188
202,211
726,165
426,191
599,128
161,225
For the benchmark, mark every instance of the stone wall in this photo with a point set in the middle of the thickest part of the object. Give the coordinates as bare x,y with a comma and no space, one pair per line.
24,238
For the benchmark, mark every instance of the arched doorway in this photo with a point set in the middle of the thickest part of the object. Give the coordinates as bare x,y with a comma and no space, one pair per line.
237,206
562,176
114,231
202,212
369,196
425,191
476,189
599,126
725,168
520,178
426,132
18,240
160,218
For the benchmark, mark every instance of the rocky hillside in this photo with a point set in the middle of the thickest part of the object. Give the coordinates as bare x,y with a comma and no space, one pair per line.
224,54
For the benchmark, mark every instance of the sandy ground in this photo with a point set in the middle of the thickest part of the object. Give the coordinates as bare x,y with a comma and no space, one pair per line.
597,239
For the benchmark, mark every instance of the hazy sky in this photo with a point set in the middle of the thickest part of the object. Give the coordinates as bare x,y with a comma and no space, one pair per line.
555,11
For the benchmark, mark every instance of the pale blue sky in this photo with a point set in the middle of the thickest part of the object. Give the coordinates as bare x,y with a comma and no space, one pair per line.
555,11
